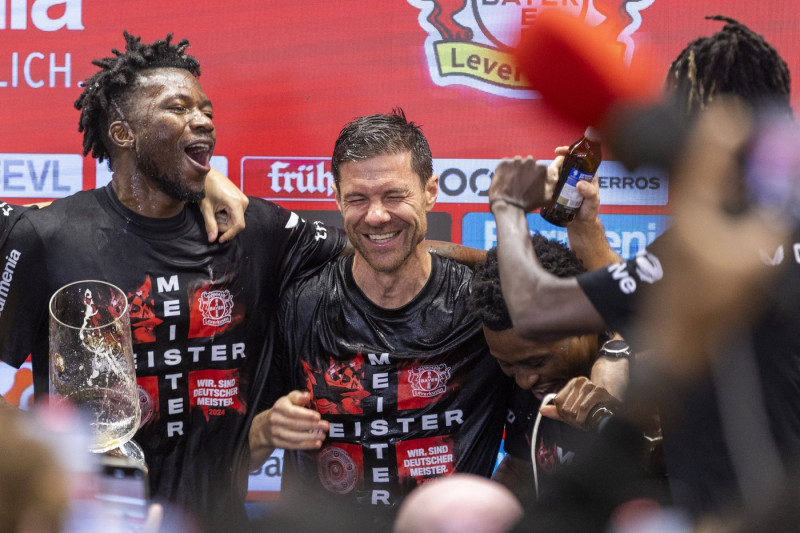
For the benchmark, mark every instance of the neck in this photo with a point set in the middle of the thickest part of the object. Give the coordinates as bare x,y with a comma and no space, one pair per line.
391,290
142,196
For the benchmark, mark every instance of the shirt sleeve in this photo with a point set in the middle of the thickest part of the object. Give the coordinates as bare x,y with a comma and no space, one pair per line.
308,245
9,214
23,293
617,290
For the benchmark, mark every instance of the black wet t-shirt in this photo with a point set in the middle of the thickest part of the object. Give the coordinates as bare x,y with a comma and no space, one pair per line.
202,316
701,473
411,394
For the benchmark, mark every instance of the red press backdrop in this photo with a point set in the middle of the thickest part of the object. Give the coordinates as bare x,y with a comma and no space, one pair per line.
285,76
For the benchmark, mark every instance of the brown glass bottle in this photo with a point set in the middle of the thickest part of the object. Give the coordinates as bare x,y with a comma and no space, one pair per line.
580,163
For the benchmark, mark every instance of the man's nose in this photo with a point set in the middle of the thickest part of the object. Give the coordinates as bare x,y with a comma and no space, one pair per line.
377,214
526,380
200,119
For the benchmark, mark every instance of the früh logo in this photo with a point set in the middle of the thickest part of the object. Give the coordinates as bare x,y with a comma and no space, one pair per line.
470,41
288,178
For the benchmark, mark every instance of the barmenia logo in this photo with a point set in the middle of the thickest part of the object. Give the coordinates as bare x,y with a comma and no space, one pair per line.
470,41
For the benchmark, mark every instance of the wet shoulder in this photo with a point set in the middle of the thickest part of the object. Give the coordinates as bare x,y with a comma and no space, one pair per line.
453,275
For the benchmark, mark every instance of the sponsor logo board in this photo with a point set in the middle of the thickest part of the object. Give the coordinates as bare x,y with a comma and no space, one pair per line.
627,234
461,181
40,175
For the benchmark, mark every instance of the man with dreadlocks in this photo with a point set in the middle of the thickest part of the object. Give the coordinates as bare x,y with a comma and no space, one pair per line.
201,312
736,61
703,476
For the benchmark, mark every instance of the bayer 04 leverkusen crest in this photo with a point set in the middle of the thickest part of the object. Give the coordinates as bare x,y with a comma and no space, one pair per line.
470,41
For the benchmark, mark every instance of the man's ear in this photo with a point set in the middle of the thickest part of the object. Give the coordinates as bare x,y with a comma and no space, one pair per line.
338,197
431,192
121,135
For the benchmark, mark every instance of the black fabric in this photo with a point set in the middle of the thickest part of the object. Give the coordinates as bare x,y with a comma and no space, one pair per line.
201,318
557,443
411,393
617,290
584,494
9,214
702,476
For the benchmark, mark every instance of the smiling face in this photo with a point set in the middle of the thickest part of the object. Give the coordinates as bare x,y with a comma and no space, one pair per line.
169,116
384,206
541,367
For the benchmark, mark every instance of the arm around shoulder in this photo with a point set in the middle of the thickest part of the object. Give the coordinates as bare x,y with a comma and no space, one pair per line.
223,207
465,255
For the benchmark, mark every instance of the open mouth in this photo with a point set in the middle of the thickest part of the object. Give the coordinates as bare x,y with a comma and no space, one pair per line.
382,237
200,153
543,390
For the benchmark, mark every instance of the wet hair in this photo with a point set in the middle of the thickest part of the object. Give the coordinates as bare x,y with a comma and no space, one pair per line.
388,134
486,297
107,91
735,60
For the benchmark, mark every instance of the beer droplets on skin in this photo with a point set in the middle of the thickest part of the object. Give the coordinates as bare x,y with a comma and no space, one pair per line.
580,163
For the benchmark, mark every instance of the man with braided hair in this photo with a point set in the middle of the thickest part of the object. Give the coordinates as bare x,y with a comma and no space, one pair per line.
201,312
699,442
734,61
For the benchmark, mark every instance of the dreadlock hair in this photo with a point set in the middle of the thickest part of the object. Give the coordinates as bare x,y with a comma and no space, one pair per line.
375,135
486,296
735,60
109,89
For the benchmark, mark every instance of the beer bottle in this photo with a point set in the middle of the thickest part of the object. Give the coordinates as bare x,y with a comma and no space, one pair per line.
580,163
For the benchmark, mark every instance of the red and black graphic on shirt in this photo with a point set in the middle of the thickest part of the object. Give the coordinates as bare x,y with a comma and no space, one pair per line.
214,310
338,386
425,459
421,385
340,467
550,456
215,391
142,313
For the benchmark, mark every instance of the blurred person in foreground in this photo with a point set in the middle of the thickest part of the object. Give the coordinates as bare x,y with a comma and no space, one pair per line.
458,503
708,471
717,287
34,495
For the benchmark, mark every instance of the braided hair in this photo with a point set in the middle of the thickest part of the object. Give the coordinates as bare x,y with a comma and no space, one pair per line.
486,296
735,60
109,89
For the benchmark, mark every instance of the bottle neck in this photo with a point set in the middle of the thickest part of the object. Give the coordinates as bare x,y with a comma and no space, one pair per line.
592,134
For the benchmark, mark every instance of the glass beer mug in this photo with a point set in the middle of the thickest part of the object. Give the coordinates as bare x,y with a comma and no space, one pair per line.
91,362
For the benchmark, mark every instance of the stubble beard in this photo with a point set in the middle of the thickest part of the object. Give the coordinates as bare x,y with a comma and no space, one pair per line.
381,266
174,188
